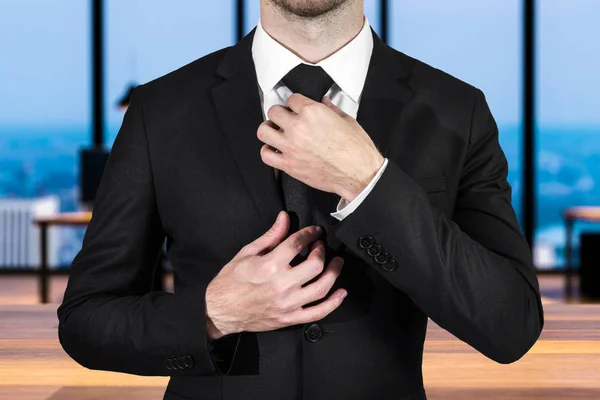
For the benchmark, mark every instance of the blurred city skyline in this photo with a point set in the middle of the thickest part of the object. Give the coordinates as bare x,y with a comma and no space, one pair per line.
54,36
45,81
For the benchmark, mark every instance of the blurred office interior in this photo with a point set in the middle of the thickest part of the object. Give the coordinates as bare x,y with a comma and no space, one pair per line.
67,67
48,113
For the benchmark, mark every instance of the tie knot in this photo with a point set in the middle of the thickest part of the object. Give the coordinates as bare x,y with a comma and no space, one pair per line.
309,80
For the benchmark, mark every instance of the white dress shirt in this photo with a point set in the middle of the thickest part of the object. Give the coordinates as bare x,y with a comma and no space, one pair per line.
347,67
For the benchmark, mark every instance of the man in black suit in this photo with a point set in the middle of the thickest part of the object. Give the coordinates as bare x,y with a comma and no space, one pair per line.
311,113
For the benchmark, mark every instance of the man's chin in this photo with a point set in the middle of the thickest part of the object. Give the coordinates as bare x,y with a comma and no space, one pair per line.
308,8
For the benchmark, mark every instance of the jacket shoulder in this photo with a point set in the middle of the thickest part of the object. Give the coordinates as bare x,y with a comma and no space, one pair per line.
192,78
428,78
454,102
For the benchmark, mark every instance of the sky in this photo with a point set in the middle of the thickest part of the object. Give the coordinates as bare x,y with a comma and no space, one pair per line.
45,51
480,41
44,61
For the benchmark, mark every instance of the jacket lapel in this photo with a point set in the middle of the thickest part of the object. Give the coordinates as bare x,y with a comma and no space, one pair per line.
239,110
385,95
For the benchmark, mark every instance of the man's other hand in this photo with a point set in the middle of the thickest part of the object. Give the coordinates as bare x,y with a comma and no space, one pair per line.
259,291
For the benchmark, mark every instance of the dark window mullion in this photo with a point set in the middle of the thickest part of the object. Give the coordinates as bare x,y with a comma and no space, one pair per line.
240,21
97,73
383,19
529,154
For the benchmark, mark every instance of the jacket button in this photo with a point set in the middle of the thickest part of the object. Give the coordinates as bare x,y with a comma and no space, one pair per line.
188,361
382,257
390,265
313,333
180,363
374,250
168,363
365,242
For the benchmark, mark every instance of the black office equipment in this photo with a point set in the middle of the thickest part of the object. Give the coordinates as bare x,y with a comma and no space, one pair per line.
589,271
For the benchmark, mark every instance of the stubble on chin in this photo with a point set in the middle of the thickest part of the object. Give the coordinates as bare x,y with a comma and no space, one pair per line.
307,8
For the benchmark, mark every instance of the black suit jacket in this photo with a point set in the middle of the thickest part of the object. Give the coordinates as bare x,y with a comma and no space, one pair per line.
437,237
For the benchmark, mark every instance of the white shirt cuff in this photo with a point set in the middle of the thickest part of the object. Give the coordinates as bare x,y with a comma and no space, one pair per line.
344,208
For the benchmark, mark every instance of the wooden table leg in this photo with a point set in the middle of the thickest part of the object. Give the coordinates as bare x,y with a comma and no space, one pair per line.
43,283
568,256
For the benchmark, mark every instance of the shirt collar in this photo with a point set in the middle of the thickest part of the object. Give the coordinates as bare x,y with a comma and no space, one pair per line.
347,67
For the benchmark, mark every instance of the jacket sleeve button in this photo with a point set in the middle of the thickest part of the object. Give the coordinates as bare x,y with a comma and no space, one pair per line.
365,242
382,257
390,265
188,361
374,250
168,363
180,363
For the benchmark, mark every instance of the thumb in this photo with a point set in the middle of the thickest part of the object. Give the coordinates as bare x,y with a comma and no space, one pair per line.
327,101
270,239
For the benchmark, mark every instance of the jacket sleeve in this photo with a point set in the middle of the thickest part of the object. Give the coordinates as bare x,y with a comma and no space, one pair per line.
473,273
109,318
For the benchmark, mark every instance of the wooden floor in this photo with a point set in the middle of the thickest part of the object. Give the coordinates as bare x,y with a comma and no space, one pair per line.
564,364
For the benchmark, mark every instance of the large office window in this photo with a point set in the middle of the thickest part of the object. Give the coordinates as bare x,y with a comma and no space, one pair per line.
146,39
252,14
44,118
479,42
568,124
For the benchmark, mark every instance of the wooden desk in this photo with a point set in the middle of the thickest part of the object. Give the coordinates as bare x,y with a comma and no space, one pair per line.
589,214
80,218
563,364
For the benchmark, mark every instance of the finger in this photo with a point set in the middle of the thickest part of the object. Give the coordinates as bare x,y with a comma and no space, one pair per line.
316,243
297,102
267,134
309,268
272,158
288,249
319,289
327,101
272,125
270,239
304,315
317,251
281,116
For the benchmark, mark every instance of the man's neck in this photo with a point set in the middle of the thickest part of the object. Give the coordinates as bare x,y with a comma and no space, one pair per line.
313,39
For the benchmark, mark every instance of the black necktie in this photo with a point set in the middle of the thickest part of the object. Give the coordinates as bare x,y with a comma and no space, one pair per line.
309,80
306,205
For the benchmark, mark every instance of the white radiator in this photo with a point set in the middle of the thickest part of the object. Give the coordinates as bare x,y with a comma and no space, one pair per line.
20,237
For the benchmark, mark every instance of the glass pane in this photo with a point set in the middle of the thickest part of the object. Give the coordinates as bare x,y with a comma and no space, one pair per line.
372,11
479,42
44,120
568,125
146,39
